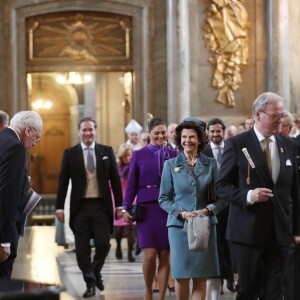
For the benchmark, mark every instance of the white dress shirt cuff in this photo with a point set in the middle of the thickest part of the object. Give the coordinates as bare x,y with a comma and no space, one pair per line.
6,245
249,201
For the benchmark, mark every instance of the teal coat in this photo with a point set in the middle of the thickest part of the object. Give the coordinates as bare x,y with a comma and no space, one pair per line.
184,190
181,190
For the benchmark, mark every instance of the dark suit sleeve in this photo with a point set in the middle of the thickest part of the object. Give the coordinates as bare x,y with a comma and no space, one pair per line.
114,179
227,185
63,181
12,168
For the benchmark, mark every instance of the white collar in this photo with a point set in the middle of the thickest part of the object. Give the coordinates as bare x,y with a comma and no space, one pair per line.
260,136
83,146
213,145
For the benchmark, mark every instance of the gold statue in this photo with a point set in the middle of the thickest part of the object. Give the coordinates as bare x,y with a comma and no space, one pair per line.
226,36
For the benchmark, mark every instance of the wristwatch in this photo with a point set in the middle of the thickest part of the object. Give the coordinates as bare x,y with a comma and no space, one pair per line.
210,212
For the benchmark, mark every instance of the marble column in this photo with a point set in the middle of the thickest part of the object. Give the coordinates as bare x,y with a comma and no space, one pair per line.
278,48
178,60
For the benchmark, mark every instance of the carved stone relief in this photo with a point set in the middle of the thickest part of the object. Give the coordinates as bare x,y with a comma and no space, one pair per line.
87,37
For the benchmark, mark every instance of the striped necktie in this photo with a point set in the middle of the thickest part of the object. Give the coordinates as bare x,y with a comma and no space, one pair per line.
219,155
90,164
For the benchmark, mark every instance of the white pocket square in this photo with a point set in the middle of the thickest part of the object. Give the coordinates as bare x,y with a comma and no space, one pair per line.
288,162
105,157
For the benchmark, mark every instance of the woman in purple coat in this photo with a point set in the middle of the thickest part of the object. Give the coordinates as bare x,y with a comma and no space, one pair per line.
144,182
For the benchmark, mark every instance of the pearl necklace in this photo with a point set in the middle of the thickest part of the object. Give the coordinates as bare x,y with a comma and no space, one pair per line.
191,162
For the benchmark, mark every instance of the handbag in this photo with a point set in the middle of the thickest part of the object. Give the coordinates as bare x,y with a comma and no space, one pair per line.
211,194
136,212
198,231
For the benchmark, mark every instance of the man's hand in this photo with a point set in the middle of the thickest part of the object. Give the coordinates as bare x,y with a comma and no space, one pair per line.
4,253
118,214
261,195
297,239
60,216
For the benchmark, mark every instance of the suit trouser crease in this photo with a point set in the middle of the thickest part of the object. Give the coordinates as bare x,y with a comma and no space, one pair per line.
261,271
91,222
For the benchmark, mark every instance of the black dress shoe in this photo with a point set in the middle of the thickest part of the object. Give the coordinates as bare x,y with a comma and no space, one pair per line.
90,292
119,254
230,285
99,282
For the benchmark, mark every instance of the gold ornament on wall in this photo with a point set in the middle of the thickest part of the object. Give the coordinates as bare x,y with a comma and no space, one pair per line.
226,36
89,38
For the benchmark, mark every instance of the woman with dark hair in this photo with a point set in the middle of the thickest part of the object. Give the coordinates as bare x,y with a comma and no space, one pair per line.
144,182
183,191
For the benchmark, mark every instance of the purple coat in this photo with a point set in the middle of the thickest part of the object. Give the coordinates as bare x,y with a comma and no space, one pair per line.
145,174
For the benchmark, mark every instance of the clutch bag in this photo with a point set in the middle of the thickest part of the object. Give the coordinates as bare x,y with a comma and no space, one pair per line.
198,231
136,212
211,194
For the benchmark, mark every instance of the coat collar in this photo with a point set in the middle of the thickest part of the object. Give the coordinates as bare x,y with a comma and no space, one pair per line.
201,164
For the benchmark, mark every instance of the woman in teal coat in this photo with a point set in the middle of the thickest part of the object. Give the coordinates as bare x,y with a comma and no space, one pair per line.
184,190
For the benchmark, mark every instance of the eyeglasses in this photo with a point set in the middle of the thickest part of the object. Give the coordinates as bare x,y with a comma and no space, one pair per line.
38,137
275,117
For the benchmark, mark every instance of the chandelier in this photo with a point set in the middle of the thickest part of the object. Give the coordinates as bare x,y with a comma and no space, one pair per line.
73,78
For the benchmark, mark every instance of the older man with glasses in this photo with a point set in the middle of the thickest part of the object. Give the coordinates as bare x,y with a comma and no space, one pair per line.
23,133
262,188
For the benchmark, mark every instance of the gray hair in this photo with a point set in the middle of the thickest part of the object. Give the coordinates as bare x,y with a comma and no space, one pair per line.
290,118
4,117
263,99
25,119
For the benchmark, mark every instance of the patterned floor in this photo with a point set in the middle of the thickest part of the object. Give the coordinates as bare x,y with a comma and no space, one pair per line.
41,260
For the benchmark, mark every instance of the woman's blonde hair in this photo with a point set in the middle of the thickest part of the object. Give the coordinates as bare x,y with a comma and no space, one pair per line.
122,149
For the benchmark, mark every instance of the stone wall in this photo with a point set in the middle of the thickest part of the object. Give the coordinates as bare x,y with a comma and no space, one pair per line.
294,55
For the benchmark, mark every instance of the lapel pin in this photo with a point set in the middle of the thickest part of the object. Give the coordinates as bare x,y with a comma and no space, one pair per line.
281,150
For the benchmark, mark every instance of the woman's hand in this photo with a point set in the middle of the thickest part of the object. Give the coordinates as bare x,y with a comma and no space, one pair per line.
188,214
127,217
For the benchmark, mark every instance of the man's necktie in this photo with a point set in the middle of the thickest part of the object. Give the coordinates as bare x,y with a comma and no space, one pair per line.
219,155
90,164
267,153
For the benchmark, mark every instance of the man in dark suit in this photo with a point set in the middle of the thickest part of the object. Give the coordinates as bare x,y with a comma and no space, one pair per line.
171,136
264,215
216,130
22,134
92,169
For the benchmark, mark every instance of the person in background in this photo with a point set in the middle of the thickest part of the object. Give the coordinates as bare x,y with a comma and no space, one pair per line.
214,286
23,133
264,214
133,130
292,271
144,139
230,131
4,119
93,171
145,171
183,191
241,128
171,136
124,154
287,124
249,122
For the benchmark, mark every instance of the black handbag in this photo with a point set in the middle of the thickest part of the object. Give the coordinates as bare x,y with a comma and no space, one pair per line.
211,194
136,212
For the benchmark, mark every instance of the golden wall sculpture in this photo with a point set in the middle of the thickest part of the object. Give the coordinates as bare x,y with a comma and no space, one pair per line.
226,36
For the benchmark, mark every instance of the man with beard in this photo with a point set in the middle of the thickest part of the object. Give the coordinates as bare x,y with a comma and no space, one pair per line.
216,131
